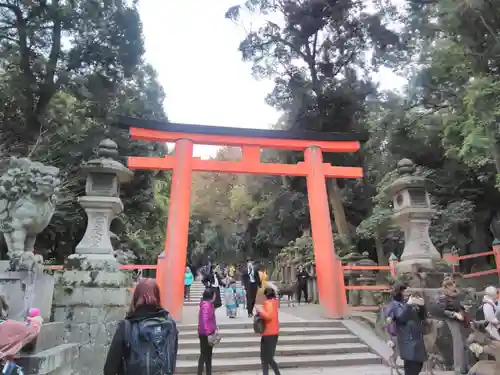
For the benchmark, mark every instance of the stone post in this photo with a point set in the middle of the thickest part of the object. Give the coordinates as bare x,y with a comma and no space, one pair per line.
102,204
413,213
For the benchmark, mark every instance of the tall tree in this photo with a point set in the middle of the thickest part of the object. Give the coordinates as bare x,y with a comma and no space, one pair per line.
316,53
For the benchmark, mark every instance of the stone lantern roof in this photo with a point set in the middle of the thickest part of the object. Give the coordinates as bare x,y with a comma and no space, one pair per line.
106,163
406,170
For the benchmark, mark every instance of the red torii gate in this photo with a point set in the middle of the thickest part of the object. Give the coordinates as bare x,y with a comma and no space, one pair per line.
172,262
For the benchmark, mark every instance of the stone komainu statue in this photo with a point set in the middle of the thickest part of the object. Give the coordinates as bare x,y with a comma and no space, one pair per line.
27,203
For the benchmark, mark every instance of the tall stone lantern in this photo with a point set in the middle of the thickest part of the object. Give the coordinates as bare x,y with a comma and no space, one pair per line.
413,213
102,204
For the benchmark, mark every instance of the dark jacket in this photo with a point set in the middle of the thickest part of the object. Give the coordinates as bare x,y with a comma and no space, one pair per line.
448,305
118,349
409,330
246,277
302,277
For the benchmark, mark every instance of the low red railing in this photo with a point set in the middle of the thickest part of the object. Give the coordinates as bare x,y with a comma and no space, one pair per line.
391,268
455,261
123,267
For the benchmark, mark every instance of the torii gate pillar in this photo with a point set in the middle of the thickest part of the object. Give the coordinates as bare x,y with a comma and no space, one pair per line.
172,262
328,266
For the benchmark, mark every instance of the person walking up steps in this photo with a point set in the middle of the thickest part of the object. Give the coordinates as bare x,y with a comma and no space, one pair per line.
269,313
251,281
188,281
146,341
207,326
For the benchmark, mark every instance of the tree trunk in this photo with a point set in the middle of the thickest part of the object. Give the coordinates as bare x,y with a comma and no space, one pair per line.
382,258
335,197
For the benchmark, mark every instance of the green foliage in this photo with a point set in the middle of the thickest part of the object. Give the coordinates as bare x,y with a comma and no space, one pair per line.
66,70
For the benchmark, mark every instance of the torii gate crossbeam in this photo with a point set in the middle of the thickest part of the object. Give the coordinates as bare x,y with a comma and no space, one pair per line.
172,262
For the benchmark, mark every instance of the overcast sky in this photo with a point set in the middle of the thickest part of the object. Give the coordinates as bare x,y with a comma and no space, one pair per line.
195,51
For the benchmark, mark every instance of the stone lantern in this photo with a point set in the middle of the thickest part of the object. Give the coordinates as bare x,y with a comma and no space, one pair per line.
102,204
351,259
413,213
367,278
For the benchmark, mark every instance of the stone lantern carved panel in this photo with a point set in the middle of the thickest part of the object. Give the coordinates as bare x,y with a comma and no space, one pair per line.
418,197
102,185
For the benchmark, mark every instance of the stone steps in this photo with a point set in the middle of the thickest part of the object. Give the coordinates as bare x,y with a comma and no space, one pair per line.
302,344
282,350
246,363
54,361
284,331
197,289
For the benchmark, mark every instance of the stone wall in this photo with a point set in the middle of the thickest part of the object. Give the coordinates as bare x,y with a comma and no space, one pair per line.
90,304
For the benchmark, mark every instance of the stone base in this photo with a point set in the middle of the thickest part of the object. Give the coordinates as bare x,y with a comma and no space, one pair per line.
23,290
90,303
89,262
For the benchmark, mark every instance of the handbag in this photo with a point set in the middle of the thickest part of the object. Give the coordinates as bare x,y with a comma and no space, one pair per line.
258,324
214,338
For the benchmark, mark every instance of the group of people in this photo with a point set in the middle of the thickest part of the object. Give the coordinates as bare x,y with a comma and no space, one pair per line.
207,330
222,280
406,316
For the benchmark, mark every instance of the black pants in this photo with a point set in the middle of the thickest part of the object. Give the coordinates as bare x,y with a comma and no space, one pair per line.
413,367
205,359
267,350
302,288
251,295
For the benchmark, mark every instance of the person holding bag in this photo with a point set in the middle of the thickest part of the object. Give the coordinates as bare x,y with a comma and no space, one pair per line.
268,313
207,331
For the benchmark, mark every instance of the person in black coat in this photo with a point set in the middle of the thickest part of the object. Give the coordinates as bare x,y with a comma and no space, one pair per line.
251,282
409,318
213,281
302,278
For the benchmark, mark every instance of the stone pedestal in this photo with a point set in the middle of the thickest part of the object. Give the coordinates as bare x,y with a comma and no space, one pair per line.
24,290
90,304
95,249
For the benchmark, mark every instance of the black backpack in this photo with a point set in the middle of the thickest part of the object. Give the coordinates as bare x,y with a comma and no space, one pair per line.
152,346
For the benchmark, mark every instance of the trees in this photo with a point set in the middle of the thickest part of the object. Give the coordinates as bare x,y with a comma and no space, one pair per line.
322,54
66,69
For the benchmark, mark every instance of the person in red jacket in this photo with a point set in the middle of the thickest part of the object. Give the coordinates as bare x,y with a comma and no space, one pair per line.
269,313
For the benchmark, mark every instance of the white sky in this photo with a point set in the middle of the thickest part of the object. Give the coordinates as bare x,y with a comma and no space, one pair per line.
195,51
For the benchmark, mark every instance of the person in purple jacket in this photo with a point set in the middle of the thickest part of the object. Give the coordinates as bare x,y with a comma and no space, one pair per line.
206,326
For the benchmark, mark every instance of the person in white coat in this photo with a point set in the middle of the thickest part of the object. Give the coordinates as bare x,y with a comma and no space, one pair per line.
491,309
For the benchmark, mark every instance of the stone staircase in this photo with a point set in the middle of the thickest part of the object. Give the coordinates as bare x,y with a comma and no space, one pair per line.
50,354
197,289
302,344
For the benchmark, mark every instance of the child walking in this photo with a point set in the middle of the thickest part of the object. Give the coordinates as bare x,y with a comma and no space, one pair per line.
230,299
188,281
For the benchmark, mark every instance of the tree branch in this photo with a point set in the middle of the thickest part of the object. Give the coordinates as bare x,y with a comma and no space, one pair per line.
49,87
25,52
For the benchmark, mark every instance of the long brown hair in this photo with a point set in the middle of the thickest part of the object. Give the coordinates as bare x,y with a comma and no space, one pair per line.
146,293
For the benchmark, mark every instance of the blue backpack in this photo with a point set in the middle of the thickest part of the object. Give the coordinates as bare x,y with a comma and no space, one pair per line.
152,346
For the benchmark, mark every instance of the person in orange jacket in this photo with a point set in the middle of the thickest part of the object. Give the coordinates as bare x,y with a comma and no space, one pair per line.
269,313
